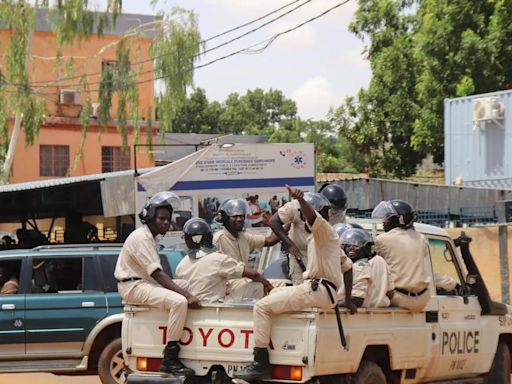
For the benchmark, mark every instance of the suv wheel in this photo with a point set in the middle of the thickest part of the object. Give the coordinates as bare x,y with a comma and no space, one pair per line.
111,363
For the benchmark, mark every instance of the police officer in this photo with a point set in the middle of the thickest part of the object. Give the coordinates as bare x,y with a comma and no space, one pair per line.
405,251
232,239
338,199
141,279
372,286
208,271
322,279
289,226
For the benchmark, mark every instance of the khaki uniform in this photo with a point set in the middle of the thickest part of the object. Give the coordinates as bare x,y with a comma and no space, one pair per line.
381,283
405,250
239,247
444,282
209,273
324,260
139,259
289,214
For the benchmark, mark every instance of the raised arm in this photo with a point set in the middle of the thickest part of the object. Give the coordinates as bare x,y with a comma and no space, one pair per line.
307,210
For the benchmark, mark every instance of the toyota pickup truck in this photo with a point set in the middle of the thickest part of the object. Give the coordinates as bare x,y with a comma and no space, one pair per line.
462,336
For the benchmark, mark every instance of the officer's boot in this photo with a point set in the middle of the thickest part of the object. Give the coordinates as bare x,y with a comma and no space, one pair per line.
171,363
260,369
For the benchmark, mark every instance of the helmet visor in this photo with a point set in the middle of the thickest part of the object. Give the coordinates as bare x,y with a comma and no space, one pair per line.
384,210
165,197
316,200
235,207
355,236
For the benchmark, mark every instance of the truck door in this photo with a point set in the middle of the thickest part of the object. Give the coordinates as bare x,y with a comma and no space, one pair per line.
63,306
458,331
12,314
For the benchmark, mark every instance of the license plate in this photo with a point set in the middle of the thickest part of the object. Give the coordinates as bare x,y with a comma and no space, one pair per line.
231,369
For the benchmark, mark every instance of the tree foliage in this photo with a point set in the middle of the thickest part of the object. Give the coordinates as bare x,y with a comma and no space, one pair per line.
175,47
271,114
420,53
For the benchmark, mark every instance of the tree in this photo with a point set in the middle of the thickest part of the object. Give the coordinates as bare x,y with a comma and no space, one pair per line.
380,122
420,53
271,114
175,48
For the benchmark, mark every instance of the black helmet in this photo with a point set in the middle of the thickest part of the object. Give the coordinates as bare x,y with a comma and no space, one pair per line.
357,243
164,199
356,236
398,213
342,227
198,232
336,196
232,207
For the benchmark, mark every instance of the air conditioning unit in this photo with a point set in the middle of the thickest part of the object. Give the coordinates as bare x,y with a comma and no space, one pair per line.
488,109
70,96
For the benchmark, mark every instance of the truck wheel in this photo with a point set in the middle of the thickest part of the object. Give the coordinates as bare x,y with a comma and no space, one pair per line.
500,369
369,373
111,363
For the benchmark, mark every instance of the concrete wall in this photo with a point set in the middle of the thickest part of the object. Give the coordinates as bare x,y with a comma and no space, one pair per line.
485,250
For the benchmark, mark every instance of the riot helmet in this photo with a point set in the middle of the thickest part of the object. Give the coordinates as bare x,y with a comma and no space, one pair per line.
165,199
197,234
336,196
394,213
342,227
317,201
233,208
356,243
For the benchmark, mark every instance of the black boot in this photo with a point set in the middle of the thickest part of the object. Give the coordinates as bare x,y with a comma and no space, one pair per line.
171,363
260,369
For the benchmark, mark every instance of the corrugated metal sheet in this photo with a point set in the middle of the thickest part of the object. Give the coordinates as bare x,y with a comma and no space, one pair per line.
480,153
365,194
61,181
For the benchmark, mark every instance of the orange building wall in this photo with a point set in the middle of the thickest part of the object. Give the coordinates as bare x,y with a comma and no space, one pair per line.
26,159
88,56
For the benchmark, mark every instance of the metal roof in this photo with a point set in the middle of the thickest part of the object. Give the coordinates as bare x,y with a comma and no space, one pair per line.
62,181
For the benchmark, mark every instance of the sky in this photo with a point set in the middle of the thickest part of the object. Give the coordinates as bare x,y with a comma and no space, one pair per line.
317,65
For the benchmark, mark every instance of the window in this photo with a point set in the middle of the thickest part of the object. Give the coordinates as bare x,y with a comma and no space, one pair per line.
446,274
9,276
114,159
59,275
53,160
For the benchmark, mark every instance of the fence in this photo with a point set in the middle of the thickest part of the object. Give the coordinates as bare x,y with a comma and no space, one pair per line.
462,217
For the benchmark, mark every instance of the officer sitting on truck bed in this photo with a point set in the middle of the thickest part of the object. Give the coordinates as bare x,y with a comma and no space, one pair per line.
207,271
372,286
405,251
234,241
322,279
141,279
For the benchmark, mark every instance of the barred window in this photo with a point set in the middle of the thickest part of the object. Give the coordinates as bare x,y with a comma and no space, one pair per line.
53,160
114,159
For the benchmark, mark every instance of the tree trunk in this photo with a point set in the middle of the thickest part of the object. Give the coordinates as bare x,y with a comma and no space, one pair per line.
6,172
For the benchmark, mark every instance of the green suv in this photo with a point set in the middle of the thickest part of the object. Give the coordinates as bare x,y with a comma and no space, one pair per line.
66,316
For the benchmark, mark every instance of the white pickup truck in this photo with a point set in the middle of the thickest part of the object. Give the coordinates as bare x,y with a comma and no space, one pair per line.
461,337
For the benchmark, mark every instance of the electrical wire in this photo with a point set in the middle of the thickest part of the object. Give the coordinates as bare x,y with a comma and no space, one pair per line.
247,50
90,74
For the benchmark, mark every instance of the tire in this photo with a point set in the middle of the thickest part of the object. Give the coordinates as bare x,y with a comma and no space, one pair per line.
111,363
369,373
500,369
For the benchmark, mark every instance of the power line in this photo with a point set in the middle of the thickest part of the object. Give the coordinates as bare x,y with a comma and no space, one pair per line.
199,44
248,50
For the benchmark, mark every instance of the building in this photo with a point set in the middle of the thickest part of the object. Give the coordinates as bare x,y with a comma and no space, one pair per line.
53,154
478,140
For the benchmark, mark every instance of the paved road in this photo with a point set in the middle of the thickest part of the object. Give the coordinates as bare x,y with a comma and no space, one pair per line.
46,378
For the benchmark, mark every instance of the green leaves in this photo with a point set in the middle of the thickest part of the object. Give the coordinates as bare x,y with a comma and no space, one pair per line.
422,52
